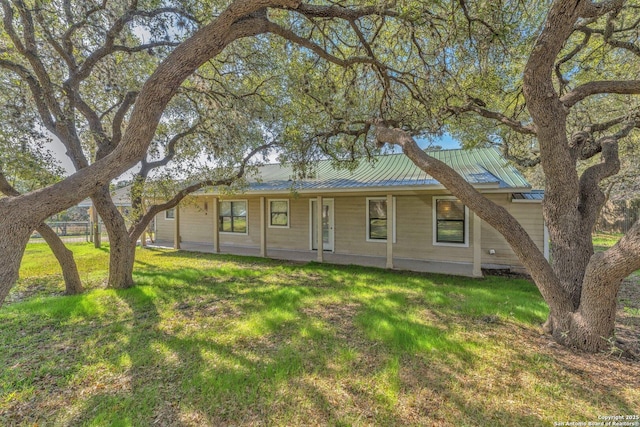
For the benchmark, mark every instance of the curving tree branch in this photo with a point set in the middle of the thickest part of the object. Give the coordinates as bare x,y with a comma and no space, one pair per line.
136,230
622,87
478,107
72,282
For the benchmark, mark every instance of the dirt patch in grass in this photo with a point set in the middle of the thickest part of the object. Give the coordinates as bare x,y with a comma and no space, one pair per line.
627,330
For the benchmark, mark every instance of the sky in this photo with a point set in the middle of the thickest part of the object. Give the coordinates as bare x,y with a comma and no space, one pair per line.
446,142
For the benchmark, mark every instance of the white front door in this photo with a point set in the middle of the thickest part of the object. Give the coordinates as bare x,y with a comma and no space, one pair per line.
327,225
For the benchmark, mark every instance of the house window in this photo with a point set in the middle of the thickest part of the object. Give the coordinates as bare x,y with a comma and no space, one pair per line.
233,216
451,222
279,213
377,217
170,213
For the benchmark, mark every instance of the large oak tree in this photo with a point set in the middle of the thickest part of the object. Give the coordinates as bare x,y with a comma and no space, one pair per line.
50,54
552,83
569,114
21,214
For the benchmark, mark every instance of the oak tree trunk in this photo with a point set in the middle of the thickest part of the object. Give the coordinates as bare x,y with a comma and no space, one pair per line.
15,236
581,287
121,252
72,282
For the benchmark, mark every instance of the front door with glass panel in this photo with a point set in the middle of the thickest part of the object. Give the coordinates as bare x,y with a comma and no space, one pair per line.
327,225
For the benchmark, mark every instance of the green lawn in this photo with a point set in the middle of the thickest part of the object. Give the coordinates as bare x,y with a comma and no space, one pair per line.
220,340
603,241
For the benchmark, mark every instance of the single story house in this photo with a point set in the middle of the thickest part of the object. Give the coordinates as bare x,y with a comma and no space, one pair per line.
388,213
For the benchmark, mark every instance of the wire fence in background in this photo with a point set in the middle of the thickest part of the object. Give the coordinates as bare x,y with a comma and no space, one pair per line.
617,218
71,232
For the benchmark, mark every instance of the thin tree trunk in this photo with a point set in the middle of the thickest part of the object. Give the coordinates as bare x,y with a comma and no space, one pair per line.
72,282
121,252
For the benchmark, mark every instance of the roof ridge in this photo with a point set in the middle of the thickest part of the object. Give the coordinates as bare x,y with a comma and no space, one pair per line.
391,155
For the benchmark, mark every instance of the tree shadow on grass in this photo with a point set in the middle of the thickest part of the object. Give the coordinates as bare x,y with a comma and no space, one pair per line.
207,348
195,378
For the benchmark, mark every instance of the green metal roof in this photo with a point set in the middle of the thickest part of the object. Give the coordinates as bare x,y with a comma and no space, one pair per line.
479,166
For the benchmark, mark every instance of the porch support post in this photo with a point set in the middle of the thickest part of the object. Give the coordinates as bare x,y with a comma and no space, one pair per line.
263,227
90,225
390,221
319,229
477,246
96,226
216,226
143,236
545,245
176,228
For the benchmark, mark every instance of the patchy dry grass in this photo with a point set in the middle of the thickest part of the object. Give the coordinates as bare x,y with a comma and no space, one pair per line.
221,340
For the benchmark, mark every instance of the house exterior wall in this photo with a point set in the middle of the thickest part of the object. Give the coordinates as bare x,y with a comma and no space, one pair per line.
196,223
164,227
295,237
530,217
414,227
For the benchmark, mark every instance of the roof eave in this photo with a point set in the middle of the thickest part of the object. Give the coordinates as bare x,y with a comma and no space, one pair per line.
483,188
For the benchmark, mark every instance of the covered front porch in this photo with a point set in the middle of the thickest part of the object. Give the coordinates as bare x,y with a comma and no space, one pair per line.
319,207
451,268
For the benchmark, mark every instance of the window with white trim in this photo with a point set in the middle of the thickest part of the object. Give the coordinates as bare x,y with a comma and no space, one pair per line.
377,217
233,216
279,213
451,222
170,213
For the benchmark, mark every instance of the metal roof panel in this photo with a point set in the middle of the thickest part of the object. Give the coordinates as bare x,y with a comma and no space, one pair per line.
477,166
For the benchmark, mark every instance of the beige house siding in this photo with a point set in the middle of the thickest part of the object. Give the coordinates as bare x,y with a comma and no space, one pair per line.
351,227
196,223
414,227
530,217
164,227
297,235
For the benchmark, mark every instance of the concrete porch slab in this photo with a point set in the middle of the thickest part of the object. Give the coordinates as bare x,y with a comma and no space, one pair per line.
438,267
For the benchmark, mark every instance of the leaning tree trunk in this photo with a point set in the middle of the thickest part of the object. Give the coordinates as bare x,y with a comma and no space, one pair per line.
121,252
18,218
586,320
72,282
15,236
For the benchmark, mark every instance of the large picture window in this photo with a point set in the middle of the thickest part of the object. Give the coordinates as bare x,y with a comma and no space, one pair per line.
233,216
377,217
450,222
279,213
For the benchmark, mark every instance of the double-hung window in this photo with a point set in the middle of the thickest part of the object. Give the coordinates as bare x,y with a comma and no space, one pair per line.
377,218
451,222
233,216
279,213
